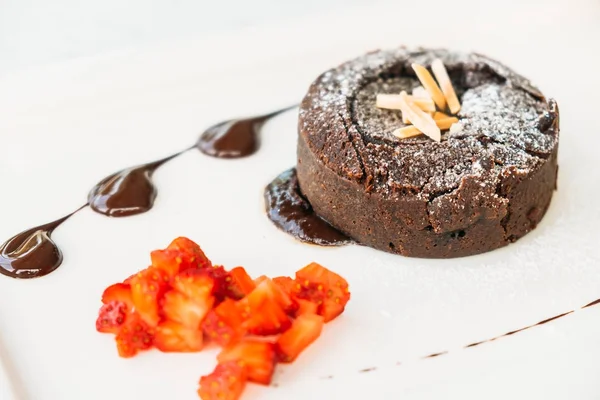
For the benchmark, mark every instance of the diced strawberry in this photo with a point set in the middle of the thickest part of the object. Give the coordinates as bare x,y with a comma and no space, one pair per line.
306,307
223,324
111,317
257,356
259,280
262,312
120,292
133,336
170,261
226,382
239,283
173,337
194,283
185,310
191,251
323,287
305,330
147,289
286,283
219,275
274,292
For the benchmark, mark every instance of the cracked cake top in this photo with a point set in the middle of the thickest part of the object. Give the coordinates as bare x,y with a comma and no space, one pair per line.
505,123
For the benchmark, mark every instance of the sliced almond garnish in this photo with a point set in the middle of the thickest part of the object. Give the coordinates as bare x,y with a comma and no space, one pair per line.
424,104
439,70
432,88
440,115
407,132
421,120
446,123
420,92
388,101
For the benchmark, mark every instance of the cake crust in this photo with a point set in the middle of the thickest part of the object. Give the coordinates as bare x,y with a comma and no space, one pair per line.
480,188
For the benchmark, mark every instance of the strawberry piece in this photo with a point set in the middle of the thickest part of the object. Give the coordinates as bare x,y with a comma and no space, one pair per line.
305,330
258,357
133,336
306,307
278,295
187,311
147,289
263,312
323,287
191,252
170,261
120,292
260,279
226,382
223,324
285,283
111,317
219,275
239,283
173,337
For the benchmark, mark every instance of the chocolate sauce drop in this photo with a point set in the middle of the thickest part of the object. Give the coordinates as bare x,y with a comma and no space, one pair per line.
32,253
293,214
235,138
127,192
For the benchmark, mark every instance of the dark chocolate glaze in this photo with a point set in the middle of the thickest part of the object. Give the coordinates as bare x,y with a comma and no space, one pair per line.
235,138
291,213
127,192
32,253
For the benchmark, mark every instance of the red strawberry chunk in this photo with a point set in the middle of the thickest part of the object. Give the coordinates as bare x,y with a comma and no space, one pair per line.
120,292
260,279
147,289
133,336
305,330
173,337
239,283
226,382
194,284
262,310
170,261
306,307
258,357
191,251
323,287
223,324
187,311
111,317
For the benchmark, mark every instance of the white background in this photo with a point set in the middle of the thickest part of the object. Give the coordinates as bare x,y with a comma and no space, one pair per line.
34,32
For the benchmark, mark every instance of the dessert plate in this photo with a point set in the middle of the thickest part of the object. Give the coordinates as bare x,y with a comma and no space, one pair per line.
405,329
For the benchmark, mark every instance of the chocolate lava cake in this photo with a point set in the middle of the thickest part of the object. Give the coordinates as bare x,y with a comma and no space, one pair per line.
479,185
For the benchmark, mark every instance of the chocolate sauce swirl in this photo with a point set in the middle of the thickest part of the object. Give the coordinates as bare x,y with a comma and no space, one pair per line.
235,138
32,253
293,214
127,192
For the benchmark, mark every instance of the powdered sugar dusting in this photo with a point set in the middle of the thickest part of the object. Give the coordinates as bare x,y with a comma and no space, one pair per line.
499,123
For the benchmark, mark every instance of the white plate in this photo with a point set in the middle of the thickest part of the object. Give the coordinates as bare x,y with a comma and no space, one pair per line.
64,128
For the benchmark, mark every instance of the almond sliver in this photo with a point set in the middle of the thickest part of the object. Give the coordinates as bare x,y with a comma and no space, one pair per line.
421,120
407,132
439,70
388,101
446,123
424,104
440,115
420,92
429,84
